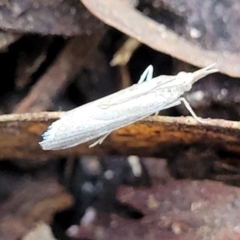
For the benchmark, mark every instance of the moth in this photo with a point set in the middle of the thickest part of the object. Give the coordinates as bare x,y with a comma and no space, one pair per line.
99,118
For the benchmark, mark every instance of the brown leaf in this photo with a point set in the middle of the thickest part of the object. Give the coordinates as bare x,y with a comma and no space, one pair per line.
41,231
177,210
59,75
180,210
7,38
31,200
48,17
159,37
154,136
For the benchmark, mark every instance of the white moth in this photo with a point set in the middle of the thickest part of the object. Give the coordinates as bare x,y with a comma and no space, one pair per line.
99,118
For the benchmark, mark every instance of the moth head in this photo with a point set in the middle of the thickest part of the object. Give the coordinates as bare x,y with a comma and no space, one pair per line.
185,79
190,78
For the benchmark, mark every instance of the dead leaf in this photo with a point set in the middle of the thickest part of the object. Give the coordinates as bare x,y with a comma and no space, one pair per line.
67,18
31,200
159,37
7,38
59,75
154,136
41,231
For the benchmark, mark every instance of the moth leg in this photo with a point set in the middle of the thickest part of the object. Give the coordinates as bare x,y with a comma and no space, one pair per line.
99,141
147,74
189,108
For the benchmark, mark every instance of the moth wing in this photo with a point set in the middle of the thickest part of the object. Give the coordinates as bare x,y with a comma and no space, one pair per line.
74,126
90,121
78,126
55,138
136,91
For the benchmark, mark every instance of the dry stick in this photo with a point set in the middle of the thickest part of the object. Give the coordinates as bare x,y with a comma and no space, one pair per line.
7,38
159,37
125,52
29,62
55,80
121,59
